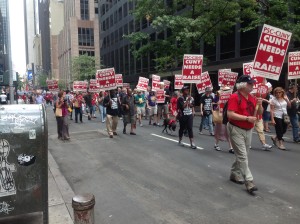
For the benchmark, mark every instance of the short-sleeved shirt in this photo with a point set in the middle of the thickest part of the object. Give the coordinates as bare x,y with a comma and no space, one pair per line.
151,100
187,111
279,107
240,105
207,102
139,100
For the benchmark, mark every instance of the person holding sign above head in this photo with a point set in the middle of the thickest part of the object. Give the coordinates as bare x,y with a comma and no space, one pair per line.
240,112
185,105
163,108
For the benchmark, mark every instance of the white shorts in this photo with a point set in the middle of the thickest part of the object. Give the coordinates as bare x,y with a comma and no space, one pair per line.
152,110
140,111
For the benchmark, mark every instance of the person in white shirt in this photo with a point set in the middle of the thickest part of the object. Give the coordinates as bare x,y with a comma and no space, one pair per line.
3,98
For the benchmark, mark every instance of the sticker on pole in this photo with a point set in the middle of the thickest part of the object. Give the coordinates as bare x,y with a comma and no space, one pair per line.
192,68
294,65
271,51
106,78
32,134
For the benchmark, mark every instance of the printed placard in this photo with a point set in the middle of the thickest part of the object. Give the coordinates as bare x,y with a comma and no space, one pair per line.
192,68
221,73
80,86
142,84
224,97
178,82
262,91
52,85
167,84
106,78
126,85
119,80
247,68
160,96
271,51
229,79
294,65
204,82
94,86
155,82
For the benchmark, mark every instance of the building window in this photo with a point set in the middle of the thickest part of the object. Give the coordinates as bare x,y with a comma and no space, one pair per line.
126,29
85,36
111,19
120,13
120,34
131,27
125,10
84,9
89,53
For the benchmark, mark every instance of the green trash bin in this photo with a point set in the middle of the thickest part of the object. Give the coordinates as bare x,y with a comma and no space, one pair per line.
23,164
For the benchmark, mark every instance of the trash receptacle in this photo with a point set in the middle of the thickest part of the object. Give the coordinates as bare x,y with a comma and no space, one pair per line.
23,164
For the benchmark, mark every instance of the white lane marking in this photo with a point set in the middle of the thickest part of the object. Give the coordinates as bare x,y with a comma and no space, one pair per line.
173,140
271,135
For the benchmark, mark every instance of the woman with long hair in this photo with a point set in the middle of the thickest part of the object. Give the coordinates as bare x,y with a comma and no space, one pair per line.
279,105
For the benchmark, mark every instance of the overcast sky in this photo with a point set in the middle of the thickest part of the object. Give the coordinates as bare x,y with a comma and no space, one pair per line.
17,35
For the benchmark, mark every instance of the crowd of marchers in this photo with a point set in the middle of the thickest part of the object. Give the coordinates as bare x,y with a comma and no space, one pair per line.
243,112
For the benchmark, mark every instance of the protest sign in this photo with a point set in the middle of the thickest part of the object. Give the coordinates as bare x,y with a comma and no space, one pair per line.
204,82
167,84
178,82
155,82
126,85
229,79
271,51
52,85
160,96
119,80
262,91
224,96
80,86
142,84
192,68
94,86
106,78
247,68
294,65
221,73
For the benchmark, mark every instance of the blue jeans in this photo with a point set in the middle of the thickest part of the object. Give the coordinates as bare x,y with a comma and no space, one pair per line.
295,126
102,111
210,123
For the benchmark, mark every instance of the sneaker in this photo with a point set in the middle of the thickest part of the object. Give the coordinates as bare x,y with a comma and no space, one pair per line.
250,147
250,186
297,140
180,143
158,124
124,131
154,124
115,133
231,151
266,147
200,132
132,133
281,147
141,125
212,134
217,148
234,178
111,136
149,122
193,146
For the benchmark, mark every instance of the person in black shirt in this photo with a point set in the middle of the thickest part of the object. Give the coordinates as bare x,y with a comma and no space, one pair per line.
112,105
185,106
206,106
89,106
292,111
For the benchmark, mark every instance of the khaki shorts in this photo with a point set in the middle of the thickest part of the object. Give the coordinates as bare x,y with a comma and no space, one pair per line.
161,108
140,110
152,110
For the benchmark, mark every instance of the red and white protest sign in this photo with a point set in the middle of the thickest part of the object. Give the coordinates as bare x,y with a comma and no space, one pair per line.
160,96
142,84
262,91
224,97
204,82
52,85
247,68
294,65
80,86
221,73
167,84
192,68
94,86
126,85
119,80
155,82
178,82
271,51
229,79
106,78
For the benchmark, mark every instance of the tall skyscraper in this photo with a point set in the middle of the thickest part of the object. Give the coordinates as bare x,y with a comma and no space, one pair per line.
3,38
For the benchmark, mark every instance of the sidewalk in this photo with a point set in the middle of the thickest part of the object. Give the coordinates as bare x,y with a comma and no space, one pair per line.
60,195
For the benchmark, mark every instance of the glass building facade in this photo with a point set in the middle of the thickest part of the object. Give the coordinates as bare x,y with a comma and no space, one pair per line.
3,38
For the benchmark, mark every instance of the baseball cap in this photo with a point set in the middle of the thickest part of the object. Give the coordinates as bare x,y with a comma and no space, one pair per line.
208,89
185,87
246,78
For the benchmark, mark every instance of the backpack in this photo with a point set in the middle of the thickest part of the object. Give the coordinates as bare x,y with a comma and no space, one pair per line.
224,113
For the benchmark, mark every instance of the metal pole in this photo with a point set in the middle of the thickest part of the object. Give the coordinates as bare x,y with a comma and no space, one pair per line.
10,68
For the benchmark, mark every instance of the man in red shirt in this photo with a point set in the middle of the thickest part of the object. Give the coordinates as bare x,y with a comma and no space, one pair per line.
240,112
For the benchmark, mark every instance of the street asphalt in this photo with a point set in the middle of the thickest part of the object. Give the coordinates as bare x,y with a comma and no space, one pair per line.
149,179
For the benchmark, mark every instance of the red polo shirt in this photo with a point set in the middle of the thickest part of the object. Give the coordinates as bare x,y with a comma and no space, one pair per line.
244,107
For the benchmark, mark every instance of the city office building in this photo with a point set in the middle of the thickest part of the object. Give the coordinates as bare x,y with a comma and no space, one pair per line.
3,39
230,51
80,35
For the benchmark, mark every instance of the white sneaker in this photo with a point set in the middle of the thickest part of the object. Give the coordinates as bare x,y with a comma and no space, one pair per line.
200,132
217,148
141,125
266,147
